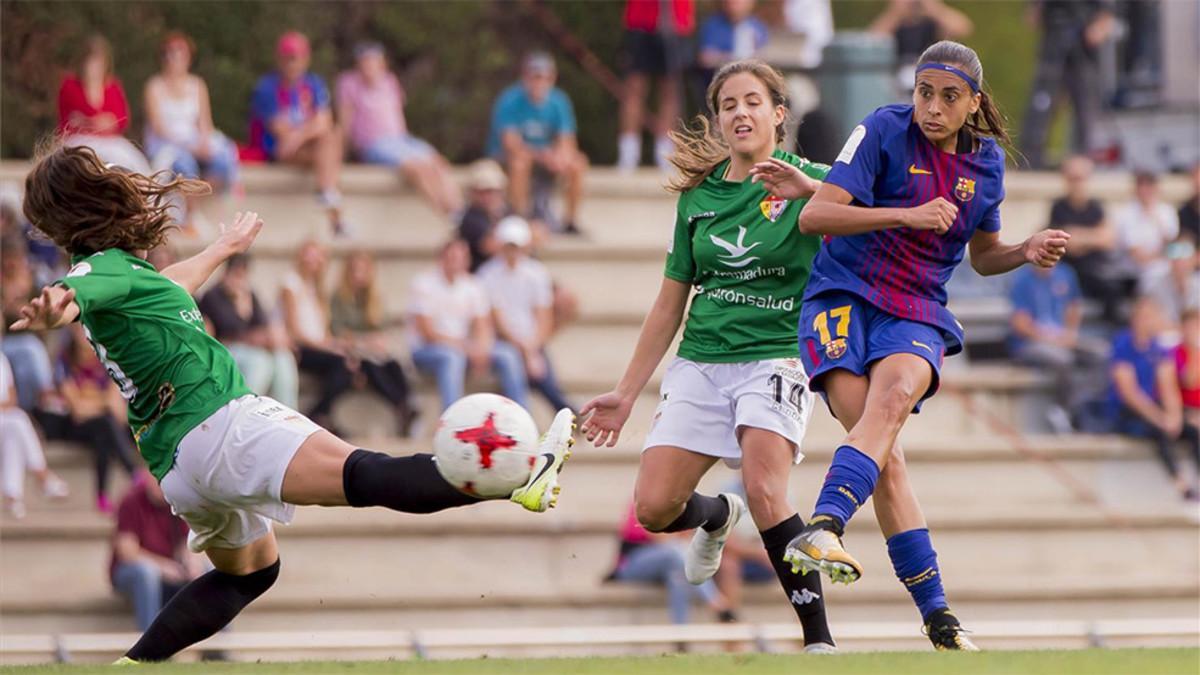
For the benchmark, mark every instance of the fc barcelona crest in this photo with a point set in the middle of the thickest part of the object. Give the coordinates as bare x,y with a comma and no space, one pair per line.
836,349
964,190
772,207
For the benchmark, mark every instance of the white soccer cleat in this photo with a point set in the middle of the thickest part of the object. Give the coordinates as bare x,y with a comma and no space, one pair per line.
541,492
704,553
820,648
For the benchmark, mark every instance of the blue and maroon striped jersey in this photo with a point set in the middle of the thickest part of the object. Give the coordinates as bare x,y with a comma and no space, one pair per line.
888,162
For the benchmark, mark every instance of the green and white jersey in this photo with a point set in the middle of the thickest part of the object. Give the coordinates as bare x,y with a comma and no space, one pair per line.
150,336
743,251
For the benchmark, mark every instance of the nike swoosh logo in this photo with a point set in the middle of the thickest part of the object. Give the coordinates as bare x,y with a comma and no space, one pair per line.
922,345
545,467
912,168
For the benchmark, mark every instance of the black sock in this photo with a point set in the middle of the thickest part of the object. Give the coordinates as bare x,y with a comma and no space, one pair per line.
199,610
802,590
701,511
409,484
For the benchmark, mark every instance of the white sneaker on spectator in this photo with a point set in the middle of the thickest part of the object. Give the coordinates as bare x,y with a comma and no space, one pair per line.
663,149
629,152
55,488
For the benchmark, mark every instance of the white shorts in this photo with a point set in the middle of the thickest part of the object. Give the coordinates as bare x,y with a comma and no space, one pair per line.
702,405
228,472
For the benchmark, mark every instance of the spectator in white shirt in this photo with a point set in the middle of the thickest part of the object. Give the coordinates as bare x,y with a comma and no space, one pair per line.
1144,228
21,450
522,299
450,328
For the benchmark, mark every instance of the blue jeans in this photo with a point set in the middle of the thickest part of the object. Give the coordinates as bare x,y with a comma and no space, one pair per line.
663,564
31,368
448,366
222,164
141,583
267,372
398,150
548,386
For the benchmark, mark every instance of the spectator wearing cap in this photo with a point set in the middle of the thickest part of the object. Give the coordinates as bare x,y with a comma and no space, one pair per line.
93,110
533,136
291,121
179,132
1144,227
486,205
370,104
450,330
522,299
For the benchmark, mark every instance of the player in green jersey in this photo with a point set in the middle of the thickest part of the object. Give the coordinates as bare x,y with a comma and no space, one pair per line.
736,390
229,462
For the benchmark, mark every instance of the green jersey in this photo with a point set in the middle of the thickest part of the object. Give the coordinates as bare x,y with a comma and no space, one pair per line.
150,336
743,251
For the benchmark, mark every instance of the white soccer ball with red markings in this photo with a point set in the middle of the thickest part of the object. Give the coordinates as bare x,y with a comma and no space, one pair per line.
486,445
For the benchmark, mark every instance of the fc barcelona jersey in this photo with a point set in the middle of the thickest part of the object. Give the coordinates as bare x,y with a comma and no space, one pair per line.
888,162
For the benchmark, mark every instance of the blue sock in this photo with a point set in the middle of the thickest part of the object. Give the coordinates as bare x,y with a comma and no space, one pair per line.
848,485
915,563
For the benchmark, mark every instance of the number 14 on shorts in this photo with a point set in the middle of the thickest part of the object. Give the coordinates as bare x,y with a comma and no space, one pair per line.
787,390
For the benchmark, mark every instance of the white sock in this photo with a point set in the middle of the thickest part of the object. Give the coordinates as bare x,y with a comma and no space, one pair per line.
663,149
629,151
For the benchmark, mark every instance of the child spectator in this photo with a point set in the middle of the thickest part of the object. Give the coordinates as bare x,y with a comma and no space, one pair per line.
1145,399
96,410
291,121
21,451
731,34
533,136
450,329
522,299
370,104
179,127
93,110
656,46
258,345
150,560
306,317
486,205
1044,333
357,321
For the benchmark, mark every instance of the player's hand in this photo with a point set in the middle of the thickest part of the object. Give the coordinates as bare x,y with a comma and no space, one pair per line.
238,237
45,311
783,180
1046,248
603,417
937,214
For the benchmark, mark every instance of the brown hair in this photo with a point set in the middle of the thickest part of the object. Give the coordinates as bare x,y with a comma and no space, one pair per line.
988,121
176,36
367,298
699,148
85,206
93,46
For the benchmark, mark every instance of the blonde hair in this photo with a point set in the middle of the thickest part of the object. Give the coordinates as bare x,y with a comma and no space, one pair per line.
368,298
699,147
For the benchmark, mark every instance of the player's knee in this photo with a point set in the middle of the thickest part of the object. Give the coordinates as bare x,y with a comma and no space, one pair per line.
897,401
655,513
258,582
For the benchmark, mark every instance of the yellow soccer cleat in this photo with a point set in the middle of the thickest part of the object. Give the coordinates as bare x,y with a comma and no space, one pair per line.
819,548
947,634
125,661
541,492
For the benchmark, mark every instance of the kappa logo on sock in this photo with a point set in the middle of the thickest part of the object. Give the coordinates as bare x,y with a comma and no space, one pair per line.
803,597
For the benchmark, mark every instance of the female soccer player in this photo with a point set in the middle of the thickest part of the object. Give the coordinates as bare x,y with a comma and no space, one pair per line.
229,462
912,188
736,391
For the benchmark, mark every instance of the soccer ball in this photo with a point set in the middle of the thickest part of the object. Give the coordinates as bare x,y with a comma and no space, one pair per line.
486,445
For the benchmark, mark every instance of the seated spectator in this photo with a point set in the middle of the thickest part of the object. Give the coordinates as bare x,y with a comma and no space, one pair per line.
179,127
646,557
150,560
486,205
1104,275
370,104
522,300
450,329
1145,400
1044,333
306,318
357,321
258,345
30,360
291,121
1187,362
1189,212
915,25
533,136
731,34
1144,228
21,451
93,110
96,411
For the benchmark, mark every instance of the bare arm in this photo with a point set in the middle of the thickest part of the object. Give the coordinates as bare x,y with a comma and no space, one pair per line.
206,121
829,212
54,308
954,24
513,143
152,95
990,256
193,272
1023,326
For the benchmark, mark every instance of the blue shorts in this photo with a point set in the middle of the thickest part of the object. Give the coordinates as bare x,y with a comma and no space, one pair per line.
397,150
841,330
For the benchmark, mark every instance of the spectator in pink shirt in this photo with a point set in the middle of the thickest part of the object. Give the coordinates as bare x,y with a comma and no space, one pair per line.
370,104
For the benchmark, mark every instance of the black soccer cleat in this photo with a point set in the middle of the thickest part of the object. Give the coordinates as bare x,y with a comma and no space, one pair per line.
947,634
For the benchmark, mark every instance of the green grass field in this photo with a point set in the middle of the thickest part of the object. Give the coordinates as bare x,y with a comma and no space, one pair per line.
1083,662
